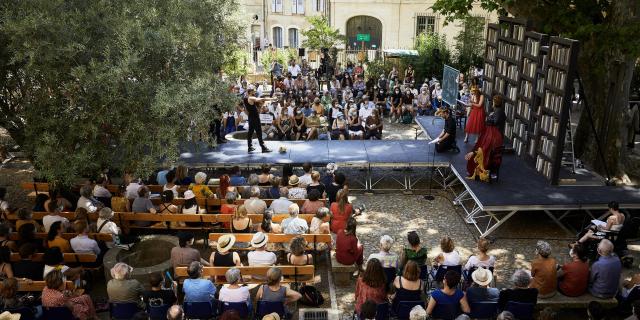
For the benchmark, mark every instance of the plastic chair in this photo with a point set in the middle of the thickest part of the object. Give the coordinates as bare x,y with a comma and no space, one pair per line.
404,308
158,312
57,313
382,311
123,310
521,310
264,308
240,307
446,311
25,313
199,310
483,310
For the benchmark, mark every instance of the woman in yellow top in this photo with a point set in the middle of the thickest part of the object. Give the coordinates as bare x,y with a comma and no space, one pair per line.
200,189
26,216
120,203
55,239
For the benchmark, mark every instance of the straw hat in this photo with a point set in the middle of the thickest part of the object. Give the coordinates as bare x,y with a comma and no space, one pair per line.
14,316
293,180
272,316
482,276
225,242
189,195
259,240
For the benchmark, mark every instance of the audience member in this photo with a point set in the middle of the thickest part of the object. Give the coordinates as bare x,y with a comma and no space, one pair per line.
267,225
449,256
5,230
105,225
236,178
133,187
184,254
368,310
505,315
316,184
157,295
604,278
385,256
53,216
260,256
320,222
349,250
573,277
26,216
294,224
282,204
252,182
418,313
175,313
122,288
100,191
229,207
223,257
120,202
11,299
55,239
449,294
26,267
190,205
636,311
82,243
295,191
4,204
329,173
87,200
170,185
233,291
408,286
40,203
265,176
274,291
415,252
311,205
480,291
200,188
333,187
241,223
306,179
371,285
195,288
274,190
5,263
520,291
54,260
341,210
543,271
27,234
482,259
55,295
296,255
254,204
142,204
167,207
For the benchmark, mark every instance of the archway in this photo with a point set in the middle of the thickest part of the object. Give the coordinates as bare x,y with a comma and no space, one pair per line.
364,25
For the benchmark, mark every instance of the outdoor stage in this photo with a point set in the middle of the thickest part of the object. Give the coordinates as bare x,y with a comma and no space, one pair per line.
487,206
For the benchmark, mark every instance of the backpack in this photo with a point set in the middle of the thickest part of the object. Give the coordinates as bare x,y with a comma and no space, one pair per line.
311,296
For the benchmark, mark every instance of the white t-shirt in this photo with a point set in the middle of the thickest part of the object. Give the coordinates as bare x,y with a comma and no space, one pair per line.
451,258
48,220
295,70
100,191
475,262
87,204
110,228
365,111
314,227
261,258
234,295
132,190
305,180
174,190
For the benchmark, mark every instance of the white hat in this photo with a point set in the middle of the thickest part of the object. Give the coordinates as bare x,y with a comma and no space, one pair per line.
226,242
259,240
9,316
482,276
189,195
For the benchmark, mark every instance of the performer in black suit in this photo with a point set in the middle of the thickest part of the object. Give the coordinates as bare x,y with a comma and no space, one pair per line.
252,104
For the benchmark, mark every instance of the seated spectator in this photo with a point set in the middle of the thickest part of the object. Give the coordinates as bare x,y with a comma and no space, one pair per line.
252,181
385,256
27,234
236,178
26,216
449,256
281,205
82,243
58,200
54,260
408,286
53,216
482,259
341,210
260,256
11,298
241,223
480,291
305,179
142,203
195,288
520,291
254,204
105,225
505,315
296,255
613,223
636,311
349,250
5,230
159,296
171,185
39,205
100,191
182,176
595,311
81,214
320,222
373,126
371,285
184,254
87,201
5,263
274,291
123,289
55,295
223,257
337,184
311,205
573,277
274,191
175,313
316,184
267,225
119,202
190,205
132,187
605,272
368,310
199,188
449,294
229,207
415,252
418,313
233,291
543,271
294,224
26,268
295,191
167,207
265,176
55,239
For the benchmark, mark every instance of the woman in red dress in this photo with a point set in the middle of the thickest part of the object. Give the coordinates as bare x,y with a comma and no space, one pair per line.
490,139
475,122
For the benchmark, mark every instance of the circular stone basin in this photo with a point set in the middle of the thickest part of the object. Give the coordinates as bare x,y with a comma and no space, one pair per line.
241,136
151,254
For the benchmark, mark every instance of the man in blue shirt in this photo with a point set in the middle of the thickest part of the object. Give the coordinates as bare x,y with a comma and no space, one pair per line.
196,289
605,272
236,179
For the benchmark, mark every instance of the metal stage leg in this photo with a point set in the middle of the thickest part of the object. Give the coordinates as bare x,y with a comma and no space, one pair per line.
558,222
493,218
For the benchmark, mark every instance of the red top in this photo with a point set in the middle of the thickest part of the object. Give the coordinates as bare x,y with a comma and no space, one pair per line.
364,293
346,248
339,218
575,279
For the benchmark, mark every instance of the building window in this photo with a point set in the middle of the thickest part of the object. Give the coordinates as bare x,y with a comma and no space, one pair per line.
293,38
318,5
277,37
276,6
297,6
425,24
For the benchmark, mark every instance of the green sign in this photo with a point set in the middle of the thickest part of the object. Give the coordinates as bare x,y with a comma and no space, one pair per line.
363,37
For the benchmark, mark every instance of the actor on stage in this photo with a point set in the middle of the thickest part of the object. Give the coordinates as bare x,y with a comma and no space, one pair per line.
490,140
475,123
251,104
447,139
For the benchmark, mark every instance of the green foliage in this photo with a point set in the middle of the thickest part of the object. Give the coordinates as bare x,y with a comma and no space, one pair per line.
282,55
237,63
377,67
469,44
430,63
321,34
113,84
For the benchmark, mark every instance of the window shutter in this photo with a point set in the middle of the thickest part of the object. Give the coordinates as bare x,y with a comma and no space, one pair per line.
300,6
273,5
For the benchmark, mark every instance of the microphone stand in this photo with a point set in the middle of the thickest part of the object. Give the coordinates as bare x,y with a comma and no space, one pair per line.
430,197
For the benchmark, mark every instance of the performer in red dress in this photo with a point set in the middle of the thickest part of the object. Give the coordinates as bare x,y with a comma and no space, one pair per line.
475,122
490,140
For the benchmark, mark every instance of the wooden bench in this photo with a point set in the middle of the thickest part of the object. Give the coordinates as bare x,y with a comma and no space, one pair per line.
43,235
35,188
560,301
341,272
290,273
68,257
38,286
275,238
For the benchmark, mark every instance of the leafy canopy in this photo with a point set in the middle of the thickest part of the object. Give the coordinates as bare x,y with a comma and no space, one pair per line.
321,34
469,44
112,84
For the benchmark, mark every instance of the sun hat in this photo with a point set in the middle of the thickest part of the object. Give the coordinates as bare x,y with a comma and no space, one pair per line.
225,242
14,316
259,240
272,316
189,195
482,276
293,180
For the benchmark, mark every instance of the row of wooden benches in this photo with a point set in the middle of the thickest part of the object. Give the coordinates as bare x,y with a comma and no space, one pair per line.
254,274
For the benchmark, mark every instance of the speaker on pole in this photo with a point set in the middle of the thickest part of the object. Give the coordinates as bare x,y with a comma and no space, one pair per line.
300,52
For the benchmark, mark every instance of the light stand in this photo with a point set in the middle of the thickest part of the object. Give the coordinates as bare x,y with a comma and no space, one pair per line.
430,197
